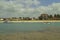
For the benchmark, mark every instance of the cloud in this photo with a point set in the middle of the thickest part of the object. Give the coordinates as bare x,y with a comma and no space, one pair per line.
26,8
54,8
16,8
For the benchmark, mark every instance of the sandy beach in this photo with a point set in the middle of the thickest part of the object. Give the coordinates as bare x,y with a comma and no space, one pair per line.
36,21
33,21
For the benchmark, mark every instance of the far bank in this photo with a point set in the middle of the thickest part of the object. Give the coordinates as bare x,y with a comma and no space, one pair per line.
33,21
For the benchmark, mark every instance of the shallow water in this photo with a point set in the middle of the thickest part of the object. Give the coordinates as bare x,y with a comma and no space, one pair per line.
26,26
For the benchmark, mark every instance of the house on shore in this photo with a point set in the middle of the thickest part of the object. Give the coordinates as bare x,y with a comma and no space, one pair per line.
43,17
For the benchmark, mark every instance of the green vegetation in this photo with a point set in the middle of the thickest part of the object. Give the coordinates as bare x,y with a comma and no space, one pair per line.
41,17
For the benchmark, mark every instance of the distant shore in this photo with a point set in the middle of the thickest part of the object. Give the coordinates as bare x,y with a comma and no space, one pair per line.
33,21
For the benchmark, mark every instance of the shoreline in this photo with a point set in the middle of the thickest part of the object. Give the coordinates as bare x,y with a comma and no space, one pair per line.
33,21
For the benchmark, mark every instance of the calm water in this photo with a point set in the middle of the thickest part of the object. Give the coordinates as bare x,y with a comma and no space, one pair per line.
25,26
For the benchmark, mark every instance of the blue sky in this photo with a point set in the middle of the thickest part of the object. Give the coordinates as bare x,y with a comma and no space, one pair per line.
28,8
48,2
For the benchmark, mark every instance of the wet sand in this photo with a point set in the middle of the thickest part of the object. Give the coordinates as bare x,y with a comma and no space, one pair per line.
47,34
31,36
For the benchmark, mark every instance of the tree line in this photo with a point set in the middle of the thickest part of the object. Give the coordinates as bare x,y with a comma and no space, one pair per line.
41,17
49,17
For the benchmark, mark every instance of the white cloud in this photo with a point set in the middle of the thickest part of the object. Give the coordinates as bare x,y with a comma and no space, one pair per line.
23,8
54,8
17,7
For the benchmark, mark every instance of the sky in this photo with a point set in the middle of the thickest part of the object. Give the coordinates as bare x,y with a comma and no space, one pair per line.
28,8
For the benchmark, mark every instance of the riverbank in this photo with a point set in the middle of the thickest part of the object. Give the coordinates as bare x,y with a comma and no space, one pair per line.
33,21
38,21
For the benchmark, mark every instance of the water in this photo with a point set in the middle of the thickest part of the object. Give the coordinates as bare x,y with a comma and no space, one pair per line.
26,26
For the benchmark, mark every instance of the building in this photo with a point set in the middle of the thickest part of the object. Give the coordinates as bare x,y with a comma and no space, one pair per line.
44,16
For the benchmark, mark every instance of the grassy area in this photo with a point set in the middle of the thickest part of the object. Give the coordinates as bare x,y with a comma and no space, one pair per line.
50,33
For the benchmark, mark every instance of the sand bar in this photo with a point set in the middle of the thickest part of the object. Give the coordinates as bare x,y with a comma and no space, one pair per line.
37,21
34,21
